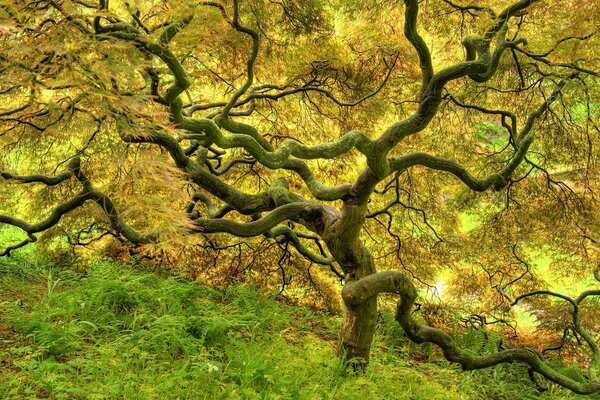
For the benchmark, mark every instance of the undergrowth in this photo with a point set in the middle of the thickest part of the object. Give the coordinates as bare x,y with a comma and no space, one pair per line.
109,331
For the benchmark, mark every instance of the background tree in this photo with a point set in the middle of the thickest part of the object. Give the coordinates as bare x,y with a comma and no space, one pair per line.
352,132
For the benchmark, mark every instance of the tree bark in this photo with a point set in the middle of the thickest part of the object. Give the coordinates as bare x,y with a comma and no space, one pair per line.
357,332
358,326
359,321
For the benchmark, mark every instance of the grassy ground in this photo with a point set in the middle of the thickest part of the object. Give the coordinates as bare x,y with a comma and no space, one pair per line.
109,331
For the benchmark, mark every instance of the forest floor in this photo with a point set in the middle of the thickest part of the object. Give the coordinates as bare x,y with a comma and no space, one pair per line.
111,331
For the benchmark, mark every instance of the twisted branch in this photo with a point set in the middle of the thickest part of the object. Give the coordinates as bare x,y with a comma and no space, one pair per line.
357,292
87,193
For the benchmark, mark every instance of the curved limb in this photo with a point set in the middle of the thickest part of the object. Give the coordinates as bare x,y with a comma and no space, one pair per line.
242,202
300,211
291,237
59,211
277,158
251,60
410,32
87,193
249,139
280,158
574,312
73,166
497,180
370,286
577,327
480,65
510,128
471,9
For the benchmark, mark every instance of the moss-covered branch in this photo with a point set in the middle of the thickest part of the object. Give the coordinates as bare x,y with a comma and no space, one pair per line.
290,236
87,193
498,180
73,166
370,286
277,158
294,211
410,31
480,65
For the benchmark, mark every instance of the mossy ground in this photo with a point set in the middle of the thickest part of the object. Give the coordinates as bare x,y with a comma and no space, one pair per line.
111,331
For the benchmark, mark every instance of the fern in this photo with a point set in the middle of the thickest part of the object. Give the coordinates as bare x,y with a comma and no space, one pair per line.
113,295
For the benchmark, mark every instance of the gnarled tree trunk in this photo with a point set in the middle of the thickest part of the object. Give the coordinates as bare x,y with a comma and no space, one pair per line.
343,240
359,322
357,332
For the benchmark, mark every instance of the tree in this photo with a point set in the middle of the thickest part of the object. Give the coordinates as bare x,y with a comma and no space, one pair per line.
115,92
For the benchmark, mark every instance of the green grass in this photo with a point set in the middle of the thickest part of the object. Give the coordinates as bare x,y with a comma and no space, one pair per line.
109,331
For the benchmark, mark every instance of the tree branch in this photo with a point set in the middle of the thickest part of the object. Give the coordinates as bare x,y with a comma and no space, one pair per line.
87,193
499,179
410,31
301,211
359,291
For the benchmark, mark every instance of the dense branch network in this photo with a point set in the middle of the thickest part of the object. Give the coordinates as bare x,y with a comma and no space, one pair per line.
87,193
276,211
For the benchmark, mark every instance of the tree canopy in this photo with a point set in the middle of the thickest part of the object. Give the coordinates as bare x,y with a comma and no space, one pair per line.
391,143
